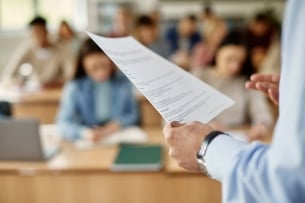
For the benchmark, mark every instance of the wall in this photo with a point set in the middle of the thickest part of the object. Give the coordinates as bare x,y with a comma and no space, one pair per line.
8,46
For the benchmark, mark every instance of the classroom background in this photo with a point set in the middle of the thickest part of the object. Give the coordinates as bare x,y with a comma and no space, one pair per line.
60,85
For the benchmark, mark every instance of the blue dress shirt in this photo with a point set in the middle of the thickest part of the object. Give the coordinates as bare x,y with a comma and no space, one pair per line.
258,173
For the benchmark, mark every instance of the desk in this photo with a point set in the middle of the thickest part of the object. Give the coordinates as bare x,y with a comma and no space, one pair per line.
84,176
42,105
149,115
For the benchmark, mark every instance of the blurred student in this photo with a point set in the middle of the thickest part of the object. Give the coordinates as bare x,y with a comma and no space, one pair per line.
39,60
156,16
146,32
203,53
207,16
229,75
68,39
122,23
98,101
271,62
207,13
263,44
182,39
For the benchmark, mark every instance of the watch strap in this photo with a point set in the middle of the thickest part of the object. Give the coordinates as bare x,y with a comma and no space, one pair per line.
204,147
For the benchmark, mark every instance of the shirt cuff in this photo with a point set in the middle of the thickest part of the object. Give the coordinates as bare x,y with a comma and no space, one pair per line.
220,155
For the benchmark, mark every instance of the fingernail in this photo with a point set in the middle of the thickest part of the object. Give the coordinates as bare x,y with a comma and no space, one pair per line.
175,124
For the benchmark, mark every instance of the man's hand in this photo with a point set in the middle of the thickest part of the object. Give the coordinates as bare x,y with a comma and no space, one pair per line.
184,141
268,84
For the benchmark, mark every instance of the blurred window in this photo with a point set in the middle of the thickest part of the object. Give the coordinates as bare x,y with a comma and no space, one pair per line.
56,10
16,14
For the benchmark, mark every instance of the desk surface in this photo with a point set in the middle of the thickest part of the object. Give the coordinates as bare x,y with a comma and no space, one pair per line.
75,176
71,159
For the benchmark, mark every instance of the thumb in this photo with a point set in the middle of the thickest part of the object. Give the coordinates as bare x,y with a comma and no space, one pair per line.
176,124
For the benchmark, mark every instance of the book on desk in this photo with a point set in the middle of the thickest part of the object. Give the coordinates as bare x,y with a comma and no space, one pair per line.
138,157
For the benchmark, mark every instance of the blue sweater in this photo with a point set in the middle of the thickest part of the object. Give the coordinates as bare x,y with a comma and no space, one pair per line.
78,106
172,37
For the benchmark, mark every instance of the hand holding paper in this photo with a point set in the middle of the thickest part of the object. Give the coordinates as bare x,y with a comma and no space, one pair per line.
176,94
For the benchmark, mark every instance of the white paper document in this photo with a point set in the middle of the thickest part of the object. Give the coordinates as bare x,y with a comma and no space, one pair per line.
176,94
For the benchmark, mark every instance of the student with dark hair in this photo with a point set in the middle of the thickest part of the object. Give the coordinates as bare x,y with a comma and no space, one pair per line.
122,22
98,101
228,74
263,43
39,60
182,39
146,32
38,20
203,52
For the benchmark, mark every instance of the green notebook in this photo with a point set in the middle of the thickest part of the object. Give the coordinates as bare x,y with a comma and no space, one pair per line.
133,157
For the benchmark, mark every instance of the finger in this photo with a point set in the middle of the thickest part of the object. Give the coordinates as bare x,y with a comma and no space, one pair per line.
262,87
265,87
250,85
259,77
273,95
276,78
272,78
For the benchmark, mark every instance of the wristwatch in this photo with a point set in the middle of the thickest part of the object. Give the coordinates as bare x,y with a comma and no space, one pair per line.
203,150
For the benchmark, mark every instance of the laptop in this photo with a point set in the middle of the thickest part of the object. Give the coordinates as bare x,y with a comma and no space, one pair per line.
21,140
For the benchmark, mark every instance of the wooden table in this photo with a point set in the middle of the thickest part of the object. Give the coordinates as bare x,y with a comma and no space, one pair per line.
85,176
42,105
39,104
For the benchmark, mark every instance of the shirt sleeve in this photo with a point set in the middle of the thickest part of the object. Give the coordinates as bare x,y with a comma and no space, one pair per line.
229,147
